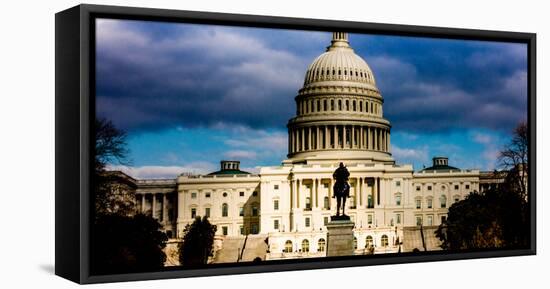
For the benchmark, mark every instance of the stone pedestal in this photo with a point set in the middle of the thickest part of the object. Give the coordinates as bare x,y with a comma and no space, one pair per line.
340,237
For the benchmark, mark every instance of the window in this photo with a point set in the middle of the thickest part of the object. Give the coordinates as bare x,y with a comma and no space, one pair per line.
355,243
398,218
254,194
325,221
225,210
193,195
308,203
241,229
207,212
308,221
397,183
418,203
321,245
384,241
288,246
430,201
254,229
241,211
369,242
224,230
305,245
207,195
419,220
457,198
467,187
326,203
417,188
430,220
443,201
224,194
370,203
369,219
398,200
254,211
443,219
429,188
456,187
241,194
193,213
276,187
275,204
276,224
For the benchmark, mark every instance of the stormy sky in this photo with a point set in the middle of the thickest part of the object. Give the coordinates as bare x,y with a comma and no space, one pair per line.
191,95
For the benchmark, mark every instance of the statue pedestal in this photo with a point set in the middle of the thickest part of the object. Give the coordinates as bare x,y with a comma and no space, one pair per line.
340,236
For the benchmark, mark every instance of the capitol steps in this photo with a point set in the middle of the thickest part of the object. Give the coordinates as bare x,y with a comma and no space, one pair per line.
412,239
231,250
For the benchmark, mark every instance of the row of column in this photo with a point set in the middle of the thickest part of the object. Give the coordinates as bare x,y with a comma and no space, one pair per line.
327,105
158,208
360,197
338,137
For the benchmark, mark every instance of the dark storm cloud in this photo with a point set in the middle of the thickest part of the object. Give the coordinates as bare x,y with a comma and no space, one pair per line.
194,76
154,75
435,84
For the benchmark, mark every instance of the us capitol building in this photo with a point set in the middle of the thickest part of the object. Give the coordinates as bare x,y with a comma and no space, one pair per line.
282,212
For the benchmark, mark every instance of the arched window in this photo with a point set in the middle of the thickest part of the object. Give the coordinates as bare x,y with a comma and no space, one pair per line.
326,203
332,104
225,210
321,245
339,104
288,246
325,105
443,200
318,108
355,243
360,106
354,106
305,245
369,242
384,241
347,104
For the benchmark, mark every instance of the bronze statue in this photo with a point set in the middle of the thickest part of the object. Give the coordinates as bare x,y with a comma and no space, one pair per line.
341,188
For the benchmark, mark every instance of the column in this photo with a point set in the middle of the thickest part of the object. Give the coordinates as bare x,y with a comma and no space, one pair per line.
292,193
369,139
375,144
335,130
154,207
375,193
309,139
330,193
352,142
360,192
164,208
142,203
344,136
317,142
303,131
298,183
361,145
326,138
388,140
315,196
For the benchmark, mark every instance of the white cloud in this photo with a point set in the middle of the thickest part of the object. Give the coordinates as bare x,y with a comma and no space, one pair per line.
240,154
418,154
164,172
482,138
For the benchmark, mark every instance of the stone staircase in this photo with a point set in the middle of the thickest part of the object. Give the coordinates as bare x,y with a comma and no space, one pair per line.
412,239
231,249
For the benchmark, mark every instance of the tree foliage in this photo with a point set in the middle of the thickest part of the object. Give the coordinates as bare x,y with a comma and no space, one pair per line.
514,158
127,244
110,189
498,217
198,241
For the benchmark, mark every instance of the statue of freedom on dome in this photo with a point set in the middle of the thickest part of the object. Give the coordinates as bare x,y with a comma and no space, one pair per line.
341,188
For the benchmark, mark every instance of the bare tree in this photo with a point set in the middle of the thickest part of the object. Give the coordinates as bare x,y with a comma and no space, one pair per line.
515,158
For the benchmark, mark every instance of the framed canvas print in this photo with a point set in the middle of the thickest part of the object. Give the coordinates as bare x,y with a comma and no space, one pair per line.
195,144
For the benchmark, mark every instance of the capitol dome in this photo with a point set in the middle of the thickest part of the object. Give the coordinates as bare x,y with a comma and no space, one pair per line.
339,115
339,63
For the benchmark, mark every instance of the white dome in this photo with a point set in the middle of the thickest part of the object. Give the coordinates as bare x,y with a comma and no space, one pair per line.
339,63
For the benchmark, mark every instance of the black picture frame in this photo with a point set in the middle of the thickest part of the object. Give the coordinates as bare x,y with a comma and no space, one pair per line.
75,112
